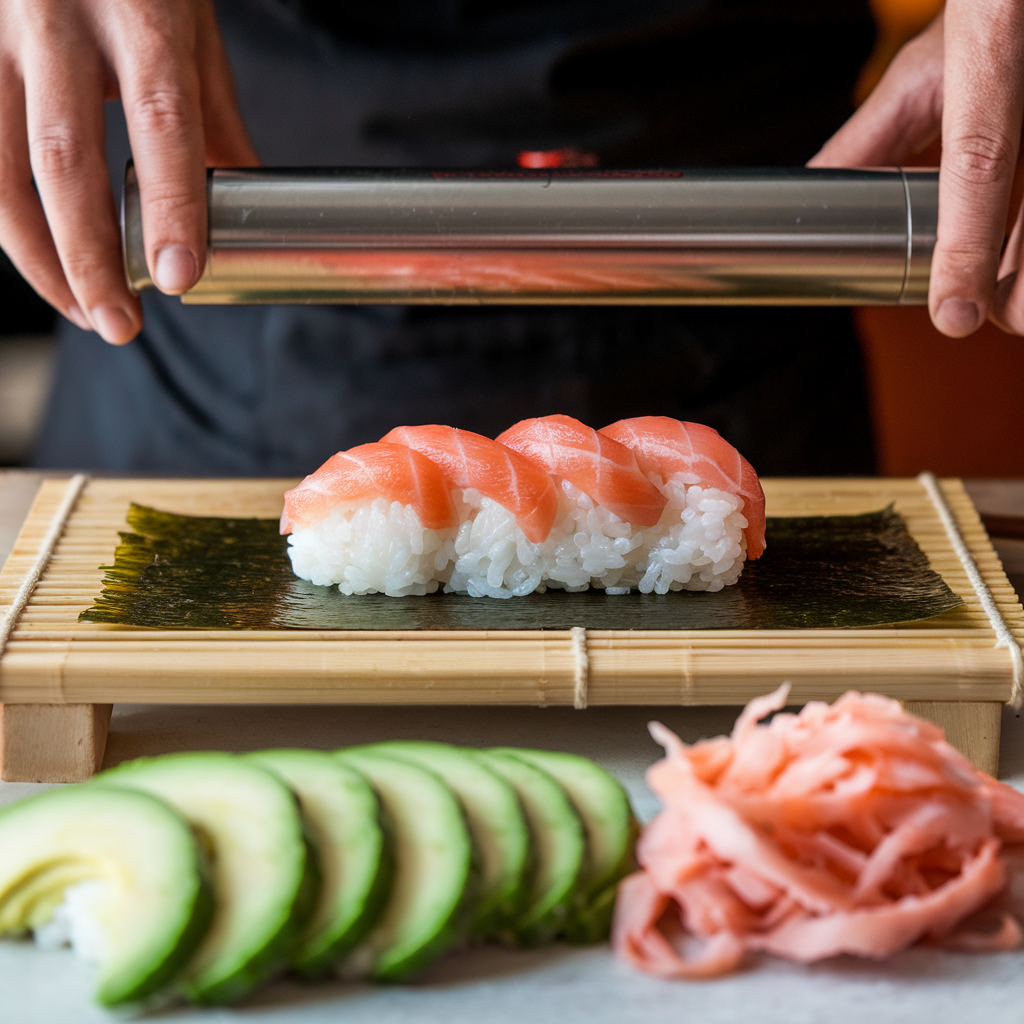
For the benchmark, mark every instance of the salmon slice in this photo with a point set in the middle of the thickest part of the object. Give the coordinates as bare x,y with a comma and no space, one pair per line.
369,471
666,446
848,828
595,463
497,472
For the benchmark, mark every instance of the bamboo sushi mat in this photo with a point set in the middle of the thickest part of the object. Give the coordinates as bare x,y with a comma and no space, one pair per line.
51,658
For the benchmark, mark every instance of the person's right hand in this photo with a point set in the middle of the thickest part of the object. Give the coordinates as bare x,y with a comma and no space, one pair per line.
963,75
60,60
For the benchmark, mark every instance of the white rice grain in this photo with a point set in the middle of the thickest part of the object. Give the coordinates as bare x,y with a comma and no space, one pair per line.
379,548
76,922
698,544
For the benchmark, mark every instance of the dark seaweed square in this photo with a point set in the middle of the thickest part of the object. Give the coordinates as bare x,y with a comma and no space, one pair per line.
191,572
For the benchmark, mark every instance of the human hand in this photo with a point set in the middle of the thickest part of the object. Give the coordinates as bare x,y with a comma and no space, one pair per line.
60,60
964,75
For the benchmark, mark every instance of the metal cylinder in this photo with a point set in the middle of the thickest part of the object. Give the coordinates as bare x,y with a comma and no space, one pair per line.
709,237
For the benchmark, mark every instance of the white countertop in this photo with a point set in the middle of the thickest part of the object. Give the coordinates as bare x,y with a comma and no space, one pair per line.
554,986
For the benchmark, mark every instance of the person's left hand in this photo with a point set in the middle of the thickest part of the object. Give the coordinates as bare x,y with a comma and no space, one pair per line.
964,75
60,60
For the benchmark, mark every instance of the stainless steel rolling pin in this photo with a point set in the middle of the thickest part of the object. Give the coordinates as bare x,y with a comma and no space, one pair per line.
709,237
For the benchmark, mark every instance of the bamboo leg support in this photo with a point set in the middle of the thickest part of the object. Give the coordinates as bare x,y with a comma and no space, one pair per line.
52,742
973,728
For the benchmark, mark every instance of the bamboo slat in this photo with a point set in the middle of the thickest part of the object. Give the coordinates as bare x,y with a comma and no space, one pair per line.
53,659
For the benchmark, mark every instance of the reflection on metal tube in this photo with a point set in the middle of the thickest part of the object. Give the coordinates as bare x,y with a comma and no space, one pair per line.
796,236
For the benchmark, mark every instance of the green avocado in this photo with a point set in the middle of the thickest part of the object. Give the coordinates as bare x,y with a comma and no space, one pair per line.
154,902
343,818
558,848
433,880
264,877
611,830
496,823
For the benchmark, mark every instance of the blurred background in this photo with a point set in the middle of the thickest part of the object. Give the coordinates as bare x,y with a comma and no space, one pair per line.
26,359
954,407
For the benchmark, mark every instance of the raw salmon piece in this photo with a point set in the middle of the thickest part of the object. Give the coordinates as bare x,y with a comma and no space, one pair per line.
497,472
595,463
666,446
369,471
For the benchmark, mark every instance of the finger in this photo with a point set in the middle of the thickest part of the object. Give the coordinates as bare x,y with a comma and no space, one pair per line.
159,82
64,87
984,102
24,233
1007,308
227,139
902,114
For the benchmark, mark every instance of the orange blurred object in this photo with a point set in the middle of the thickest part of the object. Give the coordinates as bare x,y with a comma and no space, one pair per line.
545,158
955,407
897,21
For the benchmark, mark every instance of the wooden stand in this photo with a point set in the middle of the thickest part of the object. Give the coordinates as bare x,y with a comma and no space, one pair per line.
65,742
52,742
59,677
973,728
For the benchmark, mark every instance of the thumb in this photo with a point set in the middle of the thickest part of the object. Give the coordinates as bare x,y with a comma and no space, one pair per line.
984,103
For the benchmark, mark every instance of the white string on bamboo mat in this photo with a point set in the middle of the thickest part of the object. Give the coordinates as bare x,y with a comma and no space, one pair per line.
578,638
28,585
1004,638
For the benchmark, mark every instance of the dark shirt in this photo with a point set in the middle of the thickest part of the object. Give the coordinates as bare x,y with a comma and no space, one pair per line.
463,83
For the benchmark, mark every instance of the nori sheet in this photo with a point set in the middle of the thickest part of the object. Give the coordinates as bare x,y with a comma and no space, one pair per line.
191,572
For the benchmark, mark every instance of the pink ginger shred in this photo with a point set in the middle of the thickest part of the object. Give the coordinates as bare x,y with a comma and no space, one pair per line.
847,828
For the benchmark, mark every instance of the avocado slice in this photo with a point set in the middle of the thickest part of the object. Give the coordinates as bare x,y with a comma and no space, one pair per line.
264,879
558,847
496,823
154,902
611,831
425,911
343,817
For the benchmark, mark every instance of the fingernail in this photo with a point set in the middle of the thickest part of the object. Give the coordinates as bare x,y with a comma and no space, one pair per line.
77,317
113,324
176,269
957,317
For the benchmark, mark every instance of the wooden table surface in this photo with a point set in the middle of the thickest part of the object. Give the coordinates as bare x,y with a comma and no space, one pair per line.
556,986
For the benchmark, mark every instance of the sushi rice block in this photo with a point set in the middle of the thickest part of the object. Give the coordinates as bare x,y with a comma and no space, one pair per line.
714,517
649,504
506,507
605,503
377,519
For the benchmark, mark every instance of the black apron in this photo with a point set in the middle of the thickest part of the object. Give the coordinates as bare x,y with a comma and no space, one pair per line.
464,83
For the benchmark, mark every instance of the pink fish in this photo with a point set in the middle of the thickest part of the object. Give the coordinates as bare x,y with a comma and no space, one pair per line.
390,471
595,463
497,472
666,446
